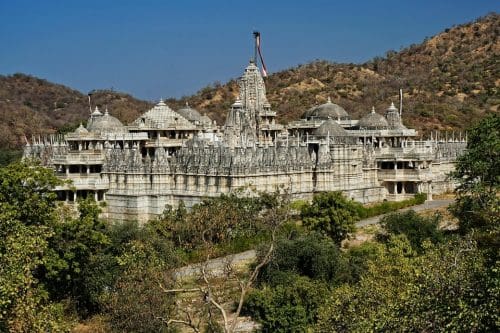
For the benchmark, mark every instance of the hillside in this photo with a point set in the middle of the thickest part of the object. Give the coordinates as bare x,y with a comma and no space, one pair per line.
448,80
32,106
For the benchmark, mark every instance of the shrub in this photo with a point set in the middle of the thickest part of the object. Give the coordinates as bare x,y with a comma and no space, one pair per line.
332,215
311,255
291,307
415,227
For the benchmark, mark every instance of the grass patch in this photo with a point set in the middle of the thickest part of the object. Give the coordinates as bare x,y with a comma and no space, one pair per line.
390,206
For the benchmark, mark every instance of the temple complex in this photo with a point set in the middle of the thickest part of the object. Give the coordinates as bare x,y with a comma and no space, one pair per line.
166,156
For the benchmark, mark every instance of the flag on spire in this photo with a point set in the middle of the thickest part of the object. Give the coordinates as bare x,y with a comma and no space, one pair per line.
257,46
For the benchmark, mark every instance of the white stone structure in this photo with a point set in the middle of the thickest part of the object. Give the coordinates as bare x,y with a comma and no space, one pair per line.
165,156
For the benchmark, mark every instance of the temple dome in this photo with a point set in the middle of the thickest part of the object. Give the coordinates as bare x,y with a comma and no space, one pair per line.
81,130
373,121
106,124
326,111
331,128
190,114
393,118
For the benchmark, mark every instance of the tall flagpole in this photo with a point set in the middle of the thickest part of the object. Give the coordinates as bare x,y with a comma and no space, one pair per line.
256,35
259,52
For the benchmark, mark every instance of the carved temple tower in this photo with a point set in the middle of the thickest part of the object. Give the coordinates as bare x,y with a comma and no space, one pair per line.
251,120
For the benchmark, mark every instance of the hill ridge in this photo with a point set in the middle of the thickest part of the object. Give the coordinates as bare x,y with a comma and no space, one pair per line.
449,80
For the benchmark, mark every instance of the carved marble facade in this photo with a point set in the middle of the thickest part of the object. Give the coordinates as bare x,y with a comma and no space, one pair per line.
165,156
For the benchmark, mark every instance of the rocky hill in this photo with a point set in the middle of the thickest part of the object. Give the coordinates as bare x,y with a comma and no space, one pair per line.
448,80
32,106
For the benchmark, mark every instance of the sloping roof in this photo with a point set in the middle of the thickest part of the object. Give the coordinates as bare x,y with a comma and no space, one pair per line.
105,124
162,117
189,113
373,121
331,128
326,111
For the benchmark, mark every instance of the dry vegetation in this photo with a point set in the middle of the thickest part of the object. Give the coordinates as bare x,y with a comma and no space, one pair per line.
449,80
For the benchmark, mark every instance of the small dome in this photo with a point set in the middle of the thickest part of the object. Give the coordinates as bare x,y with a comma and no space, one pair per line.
206,120
106,124
393,118
189,113
96,112
331,128
373,121
81,130
392,108
326,111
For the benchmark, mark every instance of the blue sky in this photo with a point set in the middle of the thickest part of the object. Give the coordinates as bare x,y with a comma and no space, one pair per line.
153,48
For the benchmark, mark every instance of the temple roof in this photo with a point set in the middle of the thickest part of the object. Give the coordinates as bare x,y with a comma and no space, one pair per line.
105,124
81,130
373,121
326,111
331,128
189,113
162,117
393,118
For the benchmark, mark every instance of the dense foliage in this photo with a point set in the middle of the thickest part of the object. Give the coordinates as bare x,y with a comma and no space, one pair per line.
449,288
415,227
331,214
478,174
61,265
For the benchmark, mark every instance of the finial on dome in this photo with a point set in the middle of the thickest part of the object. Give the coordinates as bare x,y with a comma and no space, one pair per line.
106,110
187,104
373,109
96,109
392,105
329,100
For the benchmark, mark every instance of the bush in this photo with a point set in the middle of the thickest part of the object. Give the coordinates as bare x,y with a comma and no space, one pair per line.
291,307
415,227
332,215
312,255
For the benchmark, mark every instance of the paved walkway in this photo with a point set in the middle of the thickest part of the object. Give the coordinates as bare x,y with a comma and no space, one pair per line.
418,208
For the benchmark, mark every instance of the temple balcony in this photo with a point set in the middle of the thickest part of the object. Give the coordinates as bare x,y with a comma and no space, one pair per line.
79,157
271,127
84,182
404,174
165,142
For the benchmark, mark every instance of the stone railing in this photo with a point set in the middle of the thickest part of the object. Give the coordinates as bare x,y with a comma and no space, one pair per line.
92,181
404,174
79,157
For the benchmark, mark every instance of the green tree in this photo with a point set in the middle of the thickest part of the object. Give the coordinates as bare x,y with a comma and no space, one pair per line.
478,174
332,215
290,307
415,227
77,259
314,256
26,192
137,302
448,288
26,207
